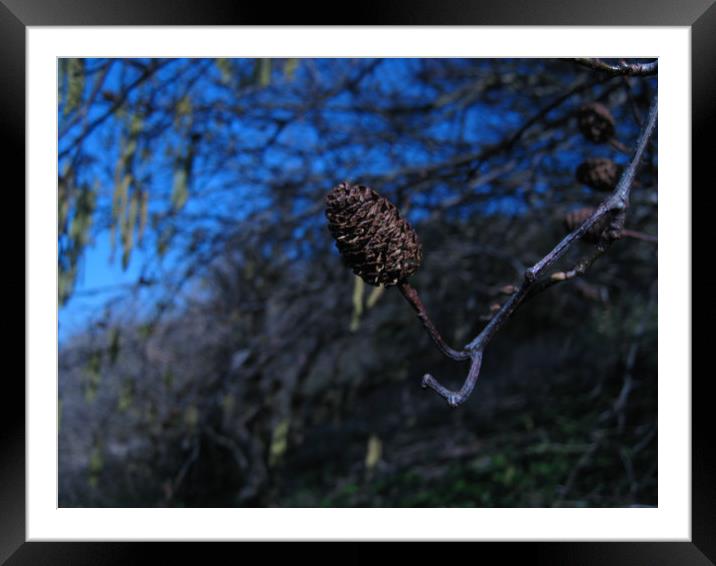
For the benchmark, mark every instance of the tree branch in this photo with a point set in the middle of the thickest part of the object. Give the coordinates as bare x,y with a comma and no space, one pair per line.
411,295
613,207
623,68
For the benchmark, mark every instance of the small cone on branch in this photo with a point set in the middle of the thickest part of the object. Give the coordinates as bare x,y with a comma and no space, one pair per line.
599,173
595,122
372,238
575,218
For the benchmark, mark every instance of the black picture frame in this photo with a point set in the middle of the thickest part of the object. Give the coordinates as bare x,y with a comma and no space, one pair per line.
16,15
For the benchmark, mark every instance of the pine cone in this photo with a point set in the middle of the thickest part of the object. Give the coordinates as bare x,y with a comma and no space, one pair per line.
595,122
576,218
599,173
374,241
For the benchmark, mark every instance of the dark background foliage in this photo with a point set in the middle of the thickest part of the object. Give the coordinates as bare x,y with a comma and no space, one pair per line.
244,365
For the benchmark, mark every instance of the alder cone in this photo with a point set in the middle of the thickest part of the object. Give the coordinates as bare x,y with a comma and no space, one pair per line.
595,122
373,239
599,173
575,218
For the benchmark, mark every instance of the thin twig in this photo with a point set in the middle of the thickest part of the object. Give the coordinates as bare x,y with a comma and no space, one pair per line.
619,146
639,236
579,269
627,69
630,93
411,295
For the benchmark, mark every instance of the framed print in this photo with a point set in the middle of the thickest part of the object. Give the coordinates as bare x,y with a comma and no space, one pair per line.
227,214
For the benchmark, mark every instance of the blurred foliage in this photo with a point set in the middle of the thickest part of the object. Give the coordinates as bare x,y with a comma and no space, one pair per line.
246,366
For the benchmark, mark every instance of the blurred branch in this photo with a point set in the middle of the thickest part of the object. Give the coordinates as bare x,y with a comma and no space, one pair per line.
174,485
99,83
120,99
639,236
622,68
616,412
613,209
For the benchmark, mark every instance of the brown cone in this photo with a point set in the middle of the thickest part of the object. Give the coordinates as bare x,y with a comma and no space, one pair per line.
576,218
596,122
599,173
374,241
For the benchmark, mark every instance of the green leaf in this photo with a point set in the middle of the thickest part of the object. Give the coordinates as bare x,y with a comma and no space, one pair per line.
75,84
374,295
120,196
263,72
180,190
228,402
136,124
279,441
184,106
191,416
226,70
65,283
78,235
358,289
373,452
289,68
127,229
62,69
126,397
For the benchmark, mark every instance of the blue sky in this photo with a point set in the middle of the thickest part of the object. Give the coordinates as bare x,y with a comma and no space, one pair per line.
101,277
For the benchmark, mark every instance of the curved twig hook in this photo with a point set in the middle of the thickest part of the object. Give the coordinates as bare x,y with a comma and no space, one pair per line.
455,398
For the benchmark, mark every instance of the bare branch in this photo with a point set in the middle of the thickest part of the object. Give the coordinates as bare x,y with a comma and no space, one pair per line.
614,207
626,69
